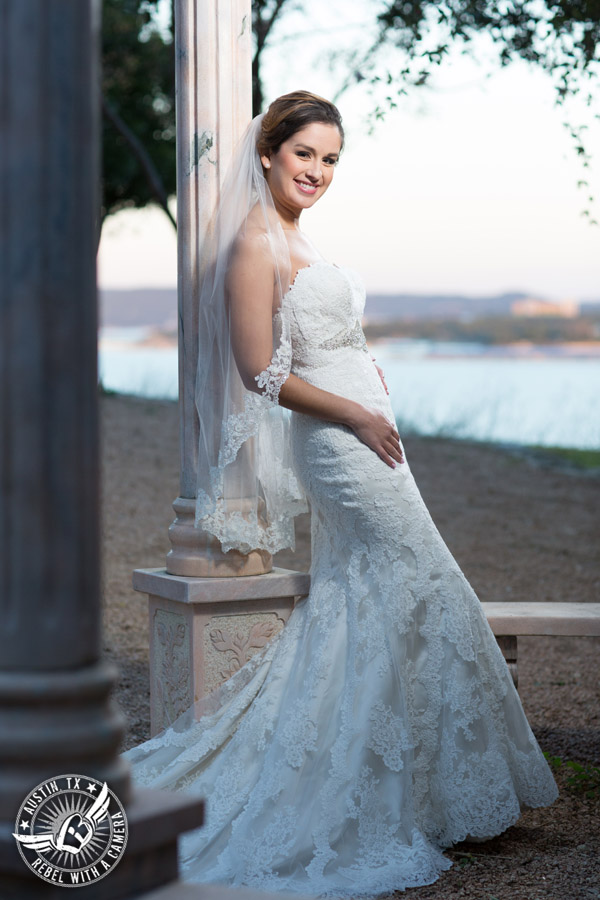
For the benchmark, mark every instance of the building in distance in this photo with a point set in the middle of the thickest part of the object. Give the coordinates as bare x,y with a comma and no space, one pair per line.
531,307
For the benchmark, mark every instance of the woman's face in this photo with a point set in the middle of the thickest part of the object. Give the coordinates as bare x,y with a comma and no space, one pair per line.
301,170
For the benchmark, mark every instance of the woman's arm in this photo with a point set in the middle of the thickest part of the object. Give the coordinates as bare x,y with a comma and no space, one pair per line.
250,295
370,425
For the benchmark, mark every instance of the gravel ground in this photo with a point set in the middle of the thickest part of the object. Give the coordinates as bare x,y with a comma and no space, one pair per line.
519,528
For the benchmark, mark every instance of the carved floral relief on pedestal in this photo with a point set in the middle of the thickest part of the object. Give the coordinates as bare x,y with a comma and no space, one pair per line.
230,641
172,667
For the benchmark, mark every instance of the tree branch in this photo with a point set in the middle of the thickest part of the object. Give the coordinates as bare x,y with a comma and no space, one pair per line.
263,33
142,156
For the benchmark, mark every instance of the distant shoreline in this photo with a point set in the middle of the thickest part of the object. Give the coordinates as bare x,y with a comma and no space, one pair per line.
515,349
139,337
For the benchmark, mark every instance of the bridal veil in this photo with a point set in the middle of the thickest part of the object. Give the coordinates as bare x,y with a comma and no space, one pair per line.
247,492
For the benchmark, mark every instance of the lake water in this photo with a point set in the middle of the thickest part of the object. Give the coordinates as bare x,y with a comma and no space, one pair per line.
445,389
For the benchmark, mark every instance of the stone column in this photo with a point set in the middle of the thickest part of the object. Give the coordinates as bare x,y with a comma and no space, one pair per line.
55,713
213,51
54,708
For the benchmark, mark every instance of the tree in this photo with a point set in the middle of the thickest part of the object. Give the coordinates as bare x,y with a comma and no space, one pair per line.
264,15
138,107
560,37
138,100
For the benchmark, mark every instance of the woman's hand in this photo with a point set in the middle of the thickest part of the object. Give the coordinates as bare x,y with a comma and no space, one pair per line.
378,433
369,424
380,371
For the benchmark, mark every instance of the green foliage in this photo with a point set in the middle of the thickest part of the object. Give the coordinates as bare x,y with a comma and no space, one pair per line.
560,38
580,459
264,15
495,330
138,90
582,779
104,391
138,100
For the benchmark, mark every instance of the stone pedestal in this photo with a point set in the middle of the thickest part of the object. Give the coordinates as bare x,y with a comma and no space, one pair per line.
204,629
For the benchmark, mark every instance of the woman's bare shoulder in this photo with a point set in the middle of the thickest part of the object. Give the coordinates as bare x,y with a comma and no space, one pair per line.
250,244
251,254
251,265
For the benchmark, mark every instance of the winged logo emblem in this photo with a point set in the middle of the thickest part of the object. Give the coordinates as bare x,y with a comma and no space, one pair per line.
75,832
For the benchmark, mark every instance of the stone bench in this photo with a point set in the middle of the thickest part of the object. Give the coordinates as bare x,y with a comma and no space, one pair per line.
203,629
509,620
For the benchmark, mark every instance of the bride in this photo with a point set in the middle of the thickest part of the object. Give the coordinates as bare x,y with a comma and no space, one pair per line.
381,725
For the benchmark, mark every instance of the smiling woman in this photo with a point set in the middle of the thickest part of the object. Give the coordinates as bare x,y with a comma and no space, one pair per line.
381,724
298,153
310,169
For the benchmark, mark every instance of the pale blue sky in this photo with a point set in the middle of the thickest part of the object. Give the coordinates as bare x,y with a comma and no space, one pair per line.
470,187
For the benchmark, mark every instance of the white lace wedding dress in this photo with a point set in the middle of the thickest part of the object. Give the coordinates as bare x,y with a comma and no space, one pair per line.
381,725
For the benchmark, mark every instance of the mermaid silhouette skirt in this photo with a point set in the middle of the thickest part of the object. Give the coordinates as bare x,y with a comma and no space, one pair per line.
381,725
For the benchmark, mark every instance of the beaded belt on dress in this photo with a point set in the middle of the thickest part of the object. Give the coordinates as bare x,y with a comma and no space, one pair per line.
353,338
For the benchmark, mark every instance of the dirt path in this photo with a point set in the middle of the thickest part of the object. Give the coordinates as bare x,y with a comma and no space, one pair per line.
519,531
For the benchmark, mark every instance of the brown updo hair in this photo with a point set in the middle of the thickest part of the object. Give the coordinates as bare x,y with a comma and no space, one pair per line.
291,113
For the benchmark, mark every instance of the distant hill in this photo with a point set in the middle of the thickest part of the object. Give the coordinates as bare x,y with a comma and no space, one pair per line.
158,307
146,306
383,307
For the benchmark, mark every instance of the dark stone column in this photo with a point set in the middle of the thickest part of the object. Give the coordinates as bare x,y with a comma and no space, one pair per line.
56,716
54,707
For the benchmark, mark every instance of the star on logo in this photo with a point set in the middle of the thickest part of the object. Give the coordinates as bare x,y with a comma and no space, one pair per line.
24,825
91,788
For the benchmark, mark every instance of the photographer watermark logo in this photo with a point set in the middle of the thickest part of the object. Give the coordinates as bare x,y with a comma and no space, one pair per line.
71,830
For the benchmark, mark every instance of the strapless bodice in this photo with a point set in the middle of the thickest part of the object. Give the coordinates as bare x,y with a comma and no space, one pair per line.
324,305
